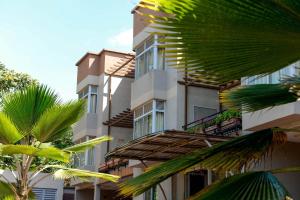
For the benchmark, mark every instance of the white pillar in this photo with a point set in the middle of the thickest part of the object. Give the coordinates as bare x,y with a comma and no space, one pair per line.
97,192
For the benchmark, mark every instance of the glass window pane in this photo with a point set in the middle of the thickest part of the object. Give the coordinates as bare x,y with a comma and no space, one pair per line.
149,56
149,42
140,49
161,59
138,112
142,67
94,89
159,105
93,103
159,123
148,107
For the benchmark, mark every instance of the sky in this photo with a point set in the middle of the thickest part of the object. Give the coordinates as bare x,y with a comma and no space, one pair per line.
46,38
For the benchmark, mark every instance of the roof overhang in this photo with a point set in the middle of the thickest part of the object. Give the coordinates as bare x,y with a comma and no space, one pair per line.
164,145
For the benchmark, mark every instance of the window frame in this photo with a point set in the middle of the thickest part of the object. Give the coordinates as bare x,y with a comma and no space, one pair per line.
88,95
155,46
152,112
85,154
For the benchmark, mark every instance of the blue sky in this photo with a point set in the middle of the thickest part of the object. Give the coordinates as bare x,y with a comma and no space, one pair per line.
46,38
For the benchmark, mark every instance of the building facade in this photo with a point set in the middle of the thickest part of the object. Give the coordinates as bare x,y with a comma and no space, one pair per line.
147,106
104,80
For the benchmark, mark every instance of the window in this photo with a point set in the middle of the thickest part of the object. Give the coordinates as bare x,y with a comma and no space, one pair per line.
271,78
84,158
45,193
149,118
90,94
201,112
149,56
194,182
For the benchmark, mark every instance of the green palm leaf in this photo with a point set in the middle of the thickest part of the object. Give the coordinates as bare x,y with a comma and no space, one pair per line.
227,40
88,144
8,132
6,191
250,186
57,120
25,107
49,152
255,97
67,173
235,154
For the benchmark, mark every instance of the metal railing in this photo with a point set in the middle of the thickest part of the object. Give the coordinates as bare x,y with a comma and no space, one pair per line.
207,125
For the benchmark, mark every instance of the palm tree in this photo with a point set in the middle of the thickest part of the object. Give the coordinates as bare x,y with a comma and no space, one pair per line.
219,41
30,120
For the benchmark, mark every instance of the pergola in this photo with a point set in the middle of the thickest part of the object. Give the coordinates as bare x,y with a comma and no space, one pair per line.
164,146
123,119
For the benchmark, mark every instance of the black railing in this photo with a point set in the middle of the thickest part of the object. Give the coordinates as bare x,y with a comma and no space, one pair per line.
207,125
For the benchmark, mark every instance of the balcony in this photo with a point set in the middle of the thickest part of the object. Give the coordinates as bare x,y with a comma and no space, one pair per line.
152,85
284,116
225,123
87,125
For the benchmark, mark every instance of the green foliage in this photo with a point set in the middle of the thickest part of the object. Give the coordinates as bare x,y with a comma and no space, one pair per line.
256,97
233,155
226,40
8,132
6,191
11,81
25,107
67,173
57,120
82,147
251,186
227,115
32,121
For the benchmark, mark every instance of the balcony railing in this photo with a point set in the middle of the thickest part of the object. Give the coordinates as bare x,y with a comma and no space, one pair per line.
221,123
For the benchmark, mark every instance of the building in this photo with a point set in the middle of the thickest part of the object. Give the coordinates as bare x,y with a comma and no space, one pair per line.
147,107
104,80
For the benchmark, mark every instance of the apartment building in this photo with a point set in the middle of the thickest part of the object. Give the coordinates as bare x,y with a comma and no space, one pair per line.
165,102
147,106
104,80
284,116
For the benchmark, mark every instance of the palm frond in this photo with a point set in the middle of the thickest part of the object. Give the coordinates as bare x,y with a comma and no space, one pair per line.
57,120
256,97
251,186
67,173
25,107
6,191
88,144
8,132
228,39
243,151
49,152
